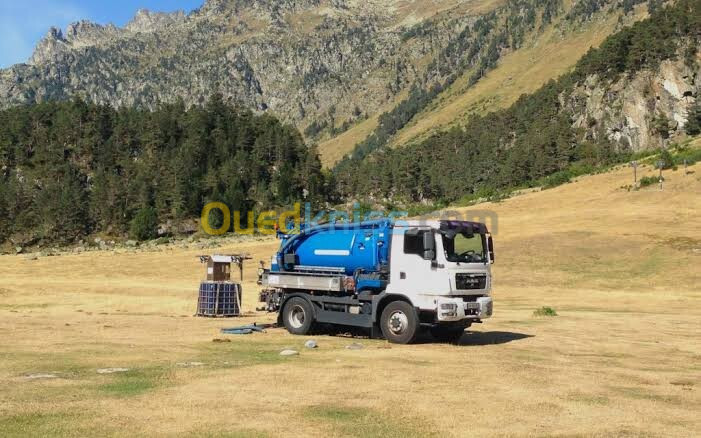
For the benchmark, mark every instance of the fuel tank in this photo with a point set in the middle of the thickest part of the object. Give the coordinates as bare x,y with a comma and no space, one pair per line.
336,247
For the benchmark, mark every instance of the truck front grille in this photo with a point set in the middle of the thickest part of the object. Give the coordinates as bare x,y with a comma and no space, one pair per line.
470,281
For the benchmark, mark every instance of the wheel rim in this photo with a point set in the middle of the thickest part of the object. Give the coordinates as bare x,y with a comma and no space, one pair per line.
398,322
297,316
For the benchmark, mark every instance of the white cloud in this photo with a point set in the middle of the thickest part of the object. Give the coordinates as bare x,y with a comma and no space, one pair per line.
23,23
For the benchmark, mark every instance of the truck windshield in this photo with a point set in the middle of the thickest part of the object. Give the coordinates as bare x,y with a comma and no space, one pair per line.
464,248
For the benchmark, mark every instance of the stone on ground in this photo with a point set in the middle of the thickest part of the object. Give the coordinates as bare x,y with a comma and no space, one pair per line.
111,370
310,344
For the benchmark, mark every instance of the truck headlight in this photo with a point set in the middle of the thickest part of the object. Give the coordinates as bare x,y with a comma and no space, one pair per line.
449,310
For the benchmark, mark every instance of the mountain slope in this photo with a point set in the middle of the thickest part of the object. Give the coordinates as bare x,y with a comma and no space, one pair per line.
528,45
637,91
324,63
551,54
331,67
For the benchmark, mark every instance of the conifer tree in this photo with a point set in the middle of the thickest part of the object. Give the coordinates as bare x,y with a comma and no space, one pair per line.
693,124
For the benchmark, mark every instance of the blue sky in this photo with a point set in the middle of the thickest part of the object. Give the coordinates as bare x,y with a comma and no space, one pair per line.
24,22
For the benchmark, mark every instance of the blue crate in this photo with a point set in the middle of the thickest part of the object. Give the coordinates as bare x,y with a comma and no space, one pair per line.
219,298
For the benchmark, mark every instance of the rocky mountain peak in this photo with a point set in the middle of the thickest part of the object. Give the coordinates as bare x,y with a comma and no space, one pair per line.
49,47
86,32
148,21
270,10
54,33
214,6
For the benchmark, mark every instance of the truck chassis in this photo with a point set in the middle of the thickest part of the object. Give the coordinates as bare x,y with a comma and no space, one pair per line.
300,309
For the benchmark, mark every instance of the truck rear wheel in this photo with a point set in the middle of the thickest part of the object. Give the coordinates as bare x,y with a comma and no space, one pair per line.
399,322
297,316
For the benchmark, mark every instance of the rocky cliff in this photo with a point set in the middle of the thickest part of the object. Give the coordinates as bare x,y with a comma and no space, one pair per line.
639,111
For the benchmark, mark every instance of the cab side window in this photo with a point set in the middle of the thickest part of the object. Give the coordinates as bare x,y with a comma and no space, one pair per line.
414,244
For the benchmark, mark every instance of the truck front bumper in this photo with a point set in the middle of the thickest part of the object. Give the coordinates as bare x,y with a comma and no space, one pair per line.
455,309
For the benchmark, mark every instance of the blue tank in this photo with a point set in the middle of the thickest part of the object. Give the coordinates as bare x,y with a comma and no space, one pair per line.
338,247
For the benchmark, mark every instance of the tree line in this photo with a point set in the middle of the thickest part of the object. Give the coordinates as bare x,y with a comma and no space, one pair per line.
68,169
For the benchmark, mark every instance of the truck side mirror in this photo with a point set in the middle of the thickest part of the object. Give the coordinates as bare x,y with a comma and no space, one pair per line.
490,246
429,246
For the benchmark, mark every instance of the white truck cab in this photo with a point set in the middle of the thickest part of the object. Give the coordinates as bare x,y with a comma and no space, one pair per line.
452,278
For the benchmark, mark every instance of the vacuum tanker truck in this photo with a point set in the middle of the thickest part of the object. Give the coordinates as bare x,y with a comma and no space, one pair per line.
391,277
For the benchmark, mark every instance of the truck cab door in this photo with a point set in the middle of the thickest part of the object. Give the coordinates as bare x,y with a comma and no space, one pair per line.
415,266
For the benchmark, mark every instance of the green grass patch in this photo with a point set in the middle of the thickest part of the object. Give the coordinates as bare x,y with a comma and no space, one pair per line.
342,414
33,424
683,152
42,424
418,209
242,352
484,194
654,261
134,382
365,422
673,156
556,179
691,156
647,181
545,311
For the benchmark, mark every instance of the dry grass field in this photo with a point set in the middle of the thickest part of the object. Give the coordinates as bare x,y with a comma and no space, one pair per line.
622,358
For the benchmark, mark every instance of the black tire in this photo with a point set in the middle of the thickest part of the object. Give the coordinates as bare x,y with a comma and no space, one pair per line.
447,334
399,322
298,316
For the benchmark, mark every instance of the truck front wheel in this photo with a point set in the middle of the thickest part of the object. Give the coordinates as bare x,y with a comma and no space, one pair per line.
297,316
399,322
